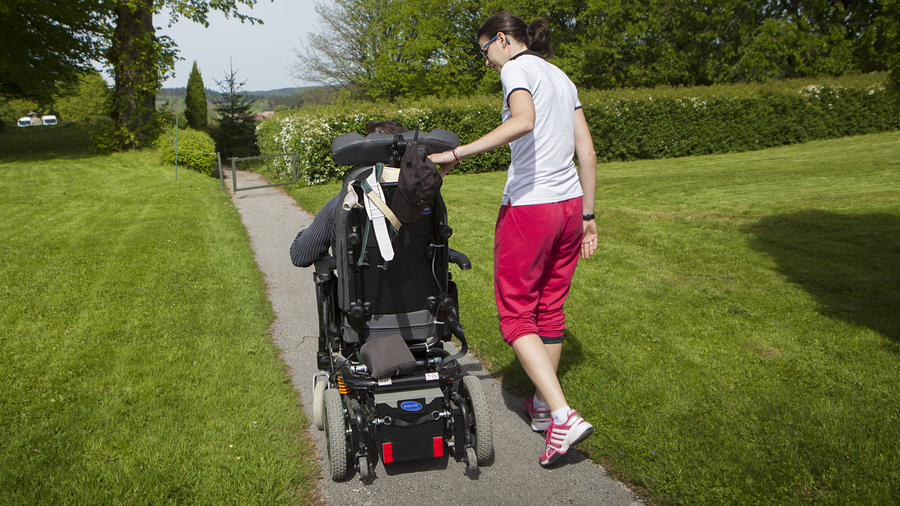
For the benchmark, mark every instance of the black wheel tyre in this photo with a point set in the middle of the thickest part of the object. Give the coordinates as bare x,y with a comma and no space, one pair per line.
335,434
479,418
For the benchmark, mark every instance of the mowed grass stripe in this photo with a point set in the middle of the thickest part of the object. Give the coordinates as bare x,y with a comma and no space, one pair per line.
736,338
137,363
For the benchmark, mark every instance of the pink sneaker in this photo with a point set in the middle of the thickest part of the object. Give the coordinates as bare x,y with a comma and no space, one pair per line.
561,437
540,417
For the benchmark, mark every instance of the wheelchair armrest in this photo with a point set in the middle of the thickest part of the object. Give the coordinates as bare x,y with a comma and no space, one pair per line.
460,259
325,268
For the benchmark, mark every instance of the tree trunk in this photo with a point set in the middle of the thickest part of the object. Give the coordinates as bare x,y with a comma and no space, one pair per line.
134,62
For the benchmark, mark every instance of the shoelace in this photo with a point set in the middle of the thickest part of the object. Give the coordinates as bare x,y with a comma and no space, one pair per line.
548,435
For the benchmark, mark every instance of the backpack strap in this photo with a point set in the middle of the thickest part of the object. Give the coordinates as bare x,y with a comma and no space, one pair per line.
373,196
377,218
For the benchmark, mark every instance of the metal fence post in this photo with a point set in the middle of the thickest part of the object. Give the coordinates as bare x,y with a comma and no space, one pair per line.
221,176
234,174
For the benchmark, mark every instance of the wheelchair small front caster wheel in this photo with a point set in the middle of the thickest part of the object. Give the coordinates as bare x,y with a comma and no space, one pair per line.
319,403
471,460
364,471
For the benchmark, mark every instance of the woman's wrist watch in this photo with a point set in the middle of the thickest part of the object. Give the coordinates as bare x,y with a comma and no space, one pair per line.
587,217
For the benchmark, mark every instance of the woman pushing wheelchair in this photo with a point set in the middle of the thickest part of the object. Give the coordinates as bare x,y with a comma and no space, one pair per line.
546,220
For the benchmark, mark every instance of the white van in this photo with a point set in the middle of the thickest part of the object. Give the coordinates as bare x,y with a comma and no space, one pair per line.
25,121
48,120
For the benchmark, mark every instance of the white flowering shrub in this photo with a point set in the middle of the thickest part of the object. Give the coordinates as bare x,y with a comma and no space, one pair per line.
310,134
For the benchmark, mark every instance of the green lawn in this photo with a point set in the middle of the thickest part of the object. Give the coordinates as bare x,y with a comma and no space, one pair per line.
736,338
136,363
734,341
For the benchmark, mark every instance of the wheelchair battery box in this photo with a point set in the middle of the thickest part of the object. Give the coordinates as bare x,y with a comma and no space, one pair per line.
414,432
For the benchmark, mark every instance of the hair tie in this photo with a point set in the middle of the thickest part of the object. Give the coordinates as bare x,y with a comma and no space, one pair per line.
528,27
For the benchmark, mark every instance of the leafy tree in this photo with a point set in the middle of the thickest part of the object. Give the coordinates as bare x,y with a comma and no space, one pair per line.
16,108
892,36
140,60
616,43
45,45
855,23
195,101
86,100
391,48
236,135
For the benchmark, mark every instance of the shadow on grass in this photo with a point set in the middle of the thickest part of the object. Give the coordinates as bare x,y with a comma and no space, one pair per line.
849,263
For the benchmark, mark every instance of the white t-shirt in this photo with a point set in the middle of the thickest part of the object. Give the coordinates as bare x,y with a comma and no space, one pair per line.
542,169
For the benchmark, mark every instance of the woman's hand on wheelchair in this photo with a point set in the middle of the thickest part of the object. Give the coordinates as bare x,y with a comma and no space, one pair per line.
446,160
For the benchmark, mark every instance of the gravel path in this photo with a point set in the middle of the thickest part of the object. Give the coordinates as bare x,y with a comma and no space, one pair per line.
272,219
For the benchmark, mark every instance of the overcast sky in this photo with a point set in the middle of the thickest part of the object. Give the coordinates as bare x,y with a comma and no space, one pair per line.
261,54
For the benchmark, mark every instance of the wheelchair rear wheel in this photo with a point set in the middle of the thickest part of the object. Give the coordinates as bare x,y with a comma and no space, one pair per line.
335,434
479,418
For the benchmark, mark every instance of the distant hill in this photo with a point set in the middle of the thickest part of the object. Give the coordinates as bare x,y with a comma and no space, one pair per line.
263,100
170,93
283,92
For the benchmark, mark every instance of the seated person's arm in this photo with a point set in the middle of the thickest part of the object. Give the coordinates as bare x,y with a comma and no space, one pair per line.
313,243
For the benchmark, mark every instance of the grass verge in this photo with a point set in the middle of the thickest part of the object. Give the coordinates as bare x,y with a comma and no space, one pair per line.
137,366
736,338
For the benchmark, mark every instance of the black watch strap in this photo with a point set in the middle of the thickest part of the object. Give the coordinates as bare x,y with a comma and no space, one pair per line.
587,217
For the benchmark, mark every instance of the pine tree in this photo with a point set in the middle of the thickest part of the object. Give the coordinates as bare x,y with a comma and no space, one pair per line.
195,102
237,128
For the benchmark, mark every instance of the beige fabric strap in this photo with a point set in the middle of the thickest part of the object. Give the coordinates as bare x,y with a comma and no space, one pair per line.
385,209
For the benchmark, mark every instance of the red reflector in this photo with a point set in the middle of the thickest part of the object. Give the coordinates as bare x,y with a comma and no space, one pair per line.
387,453
438,447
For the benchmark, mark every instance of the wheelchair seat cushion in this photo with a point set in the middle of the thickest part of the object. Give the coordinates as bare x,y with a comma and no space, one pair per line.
387,356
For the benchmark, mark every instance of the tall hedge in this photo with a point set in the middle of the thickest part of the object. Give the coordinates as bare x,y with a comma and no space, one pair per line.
623,128
672,127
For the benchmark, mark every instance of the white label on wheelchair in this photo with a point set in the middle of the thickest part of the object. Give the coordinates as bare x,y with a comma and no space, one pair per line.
379,222
432,376
384,382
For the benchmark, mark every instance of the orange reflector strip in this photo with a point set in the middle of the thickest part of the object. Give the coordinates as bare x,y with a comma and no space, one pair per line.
438,447
387,453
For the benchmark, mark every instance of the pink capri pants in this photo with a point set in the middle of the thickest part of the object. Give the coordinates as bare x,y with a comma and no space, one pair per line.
536,251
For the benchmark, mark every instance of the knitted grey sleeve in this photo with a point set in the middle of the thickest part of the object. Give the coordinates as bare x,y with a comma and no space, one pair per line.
312,243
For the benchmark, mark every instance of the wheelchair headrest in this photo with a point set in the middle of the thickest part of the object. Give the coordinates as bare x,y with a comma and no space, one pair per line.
354,149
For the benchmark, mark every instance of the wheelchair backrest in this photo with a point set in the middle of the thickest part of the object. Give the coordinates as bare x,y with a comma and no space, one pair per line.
400,296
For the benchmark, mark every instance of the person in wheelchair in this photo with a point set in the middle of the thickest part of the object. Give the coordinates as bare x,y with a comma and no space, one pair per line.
313,243
386,388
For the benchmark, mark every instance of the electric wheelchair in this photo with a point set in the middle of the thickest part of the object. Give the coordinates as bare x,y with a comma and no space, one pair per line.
403,309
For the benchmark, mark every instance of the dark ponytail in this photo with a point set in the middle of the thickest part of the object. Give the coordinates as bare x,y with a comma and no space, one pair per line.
535,36
539,38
